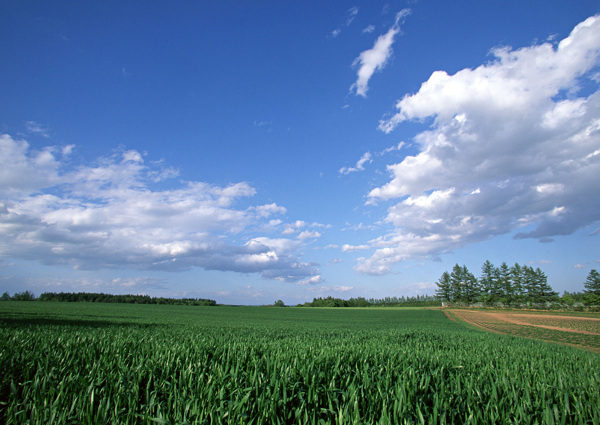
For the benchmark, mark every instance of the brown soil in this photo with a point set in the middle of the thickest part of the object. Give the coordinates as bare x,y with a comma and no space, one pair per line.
449,316
525,320
523,324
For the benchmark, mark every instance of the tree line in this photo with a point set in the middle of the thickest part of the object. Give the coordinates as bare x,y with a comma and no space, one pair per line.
105,298
510,286
416,301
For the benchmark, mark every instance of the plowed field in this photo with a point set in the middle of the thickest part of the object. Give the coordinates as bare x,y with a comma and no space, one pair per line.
580,331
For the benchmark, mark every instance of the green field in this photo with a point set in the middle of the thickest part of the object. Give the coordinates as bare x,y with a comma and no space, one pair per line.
87,363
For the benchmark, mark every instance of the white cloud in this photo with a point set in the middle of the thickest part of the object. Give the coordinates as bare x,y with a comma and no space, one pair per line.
330,289
341,288
376,58
352,248
392,148
308,234
369,29
37,128
109,216
350,16
268,210
512,147
315,280
352,12
25,171
291,228
360,164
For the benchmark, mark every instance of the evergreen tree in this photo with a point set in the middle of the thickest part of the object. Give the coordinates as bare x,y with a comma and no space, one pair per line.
487,282
457,284
547,294
538,289
517,276
591,293
444,292
530,285
23,296
505,286
472,292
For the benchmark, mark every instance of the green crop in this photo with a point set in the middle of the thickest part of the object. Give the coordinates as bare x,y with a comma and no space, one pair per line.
143,364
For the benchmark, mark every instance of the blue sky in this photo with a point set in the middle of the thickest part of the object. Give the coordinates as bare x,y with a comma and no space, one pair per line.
255,151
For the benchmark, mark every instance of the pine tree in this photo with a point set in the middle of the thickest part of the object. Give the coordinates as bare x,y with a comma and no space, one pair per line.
472,291
444,291
457,284
487,282
516,275
530,285
547,294
592,288
505,284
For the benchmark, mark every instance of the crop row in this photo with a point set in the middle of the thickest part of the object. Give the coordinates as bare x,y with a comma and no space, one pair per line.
164,364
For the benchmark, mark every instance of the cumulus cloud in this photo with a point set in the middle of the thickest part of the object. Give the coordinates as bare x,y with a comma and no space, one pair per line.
315,280
309,234
376,58
108,215
514,146
360,164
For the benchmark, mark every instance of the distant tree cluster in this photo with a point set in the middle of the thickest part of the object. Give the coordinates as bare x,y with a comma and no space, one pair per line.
417,301
19,296
105,298
591,293
512,286
515,286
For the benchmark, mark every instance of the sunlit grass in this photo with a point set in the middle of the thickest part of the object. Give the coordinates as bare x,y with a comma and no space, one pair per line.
137,364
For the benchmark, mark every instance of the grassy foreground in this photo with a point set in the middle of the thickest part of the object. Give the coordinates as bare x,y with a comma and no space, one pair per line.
86,363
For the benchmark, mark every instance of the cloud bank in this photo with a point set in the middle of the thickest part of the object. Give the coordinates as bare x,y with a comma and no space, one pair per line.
514,147
110,215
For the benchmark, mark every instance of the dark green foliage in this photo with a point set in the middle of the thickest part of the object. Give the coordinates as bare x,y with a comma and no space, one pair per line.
22,296
416,301
489,284
517,278
444,291
128,299
504,285
592,288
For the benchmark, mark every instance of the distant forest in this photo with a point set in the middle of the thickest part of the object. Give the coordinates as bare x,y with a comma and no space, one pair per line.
417,301
105,298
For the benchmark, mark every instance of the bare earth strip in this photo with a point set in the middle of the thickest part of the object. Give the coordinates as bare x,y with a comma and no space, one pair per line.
571,330
540,320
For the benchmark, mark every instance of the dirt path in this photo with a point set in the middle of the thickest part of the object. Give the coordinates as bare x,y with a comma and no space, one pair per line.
513,318
571,330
